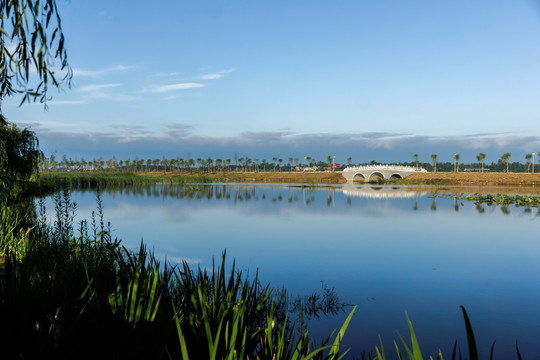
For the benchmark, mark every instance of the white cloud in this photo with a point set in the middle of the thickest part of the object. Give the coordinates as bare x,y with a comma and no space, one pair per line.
98,87
101,91
211,76
95,73
173,87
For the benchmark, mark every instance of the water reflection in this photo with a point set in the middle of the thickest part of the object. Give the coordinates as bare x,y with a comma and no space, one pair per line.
387,249
292,194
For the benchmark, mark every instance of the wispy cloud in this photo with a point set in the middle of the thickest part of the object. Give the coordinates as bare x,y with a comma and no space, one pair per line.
217,74
103,92
211,76
98,87
99,72
173,87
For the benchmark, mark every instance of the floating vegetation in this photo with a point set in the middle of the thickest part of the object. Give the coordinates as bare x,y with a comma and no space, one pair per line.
499,199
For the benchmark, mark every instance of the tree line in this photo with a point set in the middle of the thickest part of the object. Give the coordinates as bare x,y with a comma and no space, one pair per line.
54,163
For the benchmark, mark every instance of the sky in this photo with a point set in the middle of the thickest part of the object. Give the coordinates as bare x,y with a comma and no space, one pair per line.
371,79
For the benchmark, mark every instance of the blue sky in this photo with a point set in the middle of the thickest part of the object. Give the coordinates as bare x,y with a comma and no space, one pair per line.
375,80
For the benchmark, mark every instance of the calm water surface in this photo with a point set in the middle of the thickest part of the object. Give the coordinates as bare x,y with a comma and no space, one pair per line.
386,249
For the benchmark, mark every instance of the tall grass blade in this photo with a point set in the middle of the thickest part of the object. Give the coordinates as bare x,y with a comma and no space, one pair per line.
334,351
473,352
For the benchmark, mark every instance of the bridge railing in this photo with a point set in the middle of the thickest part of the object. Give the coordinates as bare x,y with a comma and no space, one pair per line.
384,167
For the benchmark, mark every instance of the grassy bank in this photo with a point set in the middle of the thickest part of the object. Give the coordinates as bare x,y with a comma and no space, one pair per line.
106,178
472,179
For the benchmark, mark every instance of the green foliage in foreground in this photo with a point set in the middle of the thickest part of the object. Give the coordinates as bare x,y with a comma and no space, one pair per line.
72,291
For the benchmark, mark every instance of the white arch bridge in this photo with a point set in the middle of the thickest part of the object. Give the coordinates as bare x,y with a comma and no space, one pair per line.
378,173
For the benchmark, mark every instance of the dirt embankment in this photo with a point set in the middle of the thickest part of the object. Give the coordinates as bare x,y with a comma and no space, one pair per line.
473,179
266,177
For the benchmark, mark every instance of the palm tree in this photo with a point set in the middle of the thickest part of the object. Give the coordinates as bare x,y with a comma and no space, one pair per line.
528,158
434,158
264,165
241,161
506,157
480,157
290,163
456,159
280,161
256,164
349,161
416,160
329,161
274,159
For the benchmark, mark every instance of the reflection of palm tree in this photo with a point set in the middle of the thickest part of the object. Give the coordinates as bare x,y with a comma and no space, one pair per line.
456,205
480,208
505,210
434,204
415,207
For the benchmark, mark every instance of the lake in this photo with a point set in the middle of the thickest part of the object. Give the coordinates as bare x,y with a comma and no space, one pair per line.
386,249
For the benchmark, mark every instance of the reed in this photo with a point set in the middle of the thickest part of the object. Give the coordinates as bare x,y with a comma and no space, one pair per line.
72,291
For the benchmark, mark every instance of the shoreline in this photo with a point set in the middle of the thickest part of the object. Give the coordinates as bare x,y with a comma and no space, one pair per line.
511,183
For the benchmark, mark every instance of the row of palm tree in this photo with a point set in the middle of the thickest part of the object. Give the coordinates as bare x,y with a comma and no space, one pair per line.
242,164
245,164
505,158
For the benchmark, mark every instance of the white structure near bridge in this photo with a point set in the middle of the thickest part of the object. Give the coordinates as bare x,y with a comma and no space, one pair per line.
378,173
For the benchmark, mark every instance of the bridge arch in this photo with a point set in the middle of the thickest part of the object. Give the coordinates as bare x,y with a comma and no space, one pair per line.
395,177
376,176
359,178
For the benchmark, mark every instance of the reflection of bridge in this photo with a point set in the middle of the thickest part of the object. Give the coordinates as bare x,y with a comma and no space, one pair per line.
378,173
379,192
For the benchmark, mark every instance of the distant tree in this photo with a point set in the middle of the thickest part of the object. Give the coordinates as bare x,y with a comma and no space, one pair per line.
241,162
434,158
52,161
481,157
329,161
528,158
505,158
456,159
280,161
290,162
349,161
416,160
274,159
264,165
